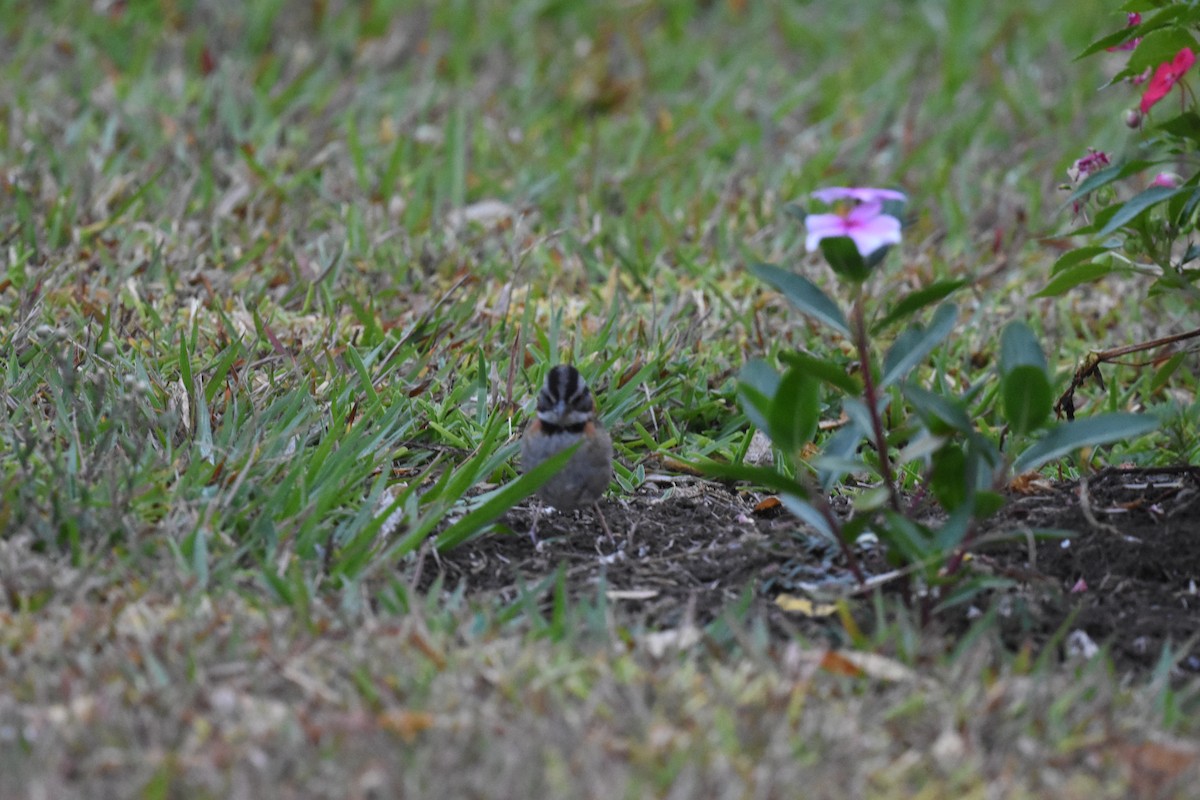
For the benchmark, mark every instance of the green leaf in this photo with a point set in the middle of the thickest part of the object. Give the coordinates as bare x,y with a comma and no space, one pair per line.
839,456
1185,125
217,380
914,344
940,414
859,413
1027,398
1078,256
758,383
804,295
1019,348
795,411
786,408
909,540
761,376
842,254
1137,205
806,512
1074,276
1158,47
1071,436
988,503
829,371
917,300
948,477
1025,388
1168,14
351,355
1182,207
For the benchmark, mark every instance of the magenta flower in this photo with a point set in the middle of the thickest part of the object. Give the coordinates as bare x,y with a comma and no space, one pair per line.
865,223
1168,180
1166,75
1094,161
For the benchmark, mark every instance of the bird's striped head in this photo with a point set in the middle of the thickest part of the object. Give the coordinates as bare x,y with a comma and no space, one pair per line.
565,400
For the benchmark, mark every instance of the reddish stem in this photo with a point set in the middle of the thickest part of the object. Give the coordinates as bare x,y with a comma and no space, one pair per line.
821,503
869,394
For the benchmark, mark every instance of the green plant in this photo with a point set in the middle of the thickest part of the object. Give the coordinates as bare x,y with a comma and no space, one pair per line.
921,435
1142,228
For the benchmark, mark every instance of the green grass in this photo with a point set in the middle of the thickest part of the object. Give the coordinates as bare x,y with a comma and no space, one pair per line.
245,343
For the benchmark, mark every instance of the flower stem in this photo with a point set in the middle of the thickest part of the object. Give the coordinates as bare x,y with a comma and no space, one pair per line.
872,400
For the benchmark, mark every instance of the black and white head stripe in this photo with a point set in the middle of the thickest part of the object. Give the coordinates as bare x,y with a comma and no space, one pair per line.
564,384
565,404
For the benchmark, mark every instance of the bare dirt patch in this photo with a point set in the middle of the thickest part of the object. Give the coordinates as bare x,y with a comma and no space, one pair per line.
1125,573
1130,572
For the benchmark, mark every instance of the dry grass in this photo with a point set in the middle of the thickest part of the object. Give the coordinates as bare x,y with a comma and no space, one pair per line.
143,687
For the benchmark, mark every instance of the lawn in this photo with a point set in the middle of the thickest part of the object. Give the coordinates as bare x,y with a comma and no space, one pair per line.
280,284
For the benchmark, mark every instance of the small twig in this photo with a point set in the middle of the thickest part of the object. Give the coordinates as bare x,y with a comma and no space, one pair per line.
1031,544
1085,506
1091,367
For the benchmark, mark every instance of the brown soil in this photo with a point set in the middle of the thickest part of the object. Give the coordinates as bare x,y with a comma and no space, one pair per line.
1125,574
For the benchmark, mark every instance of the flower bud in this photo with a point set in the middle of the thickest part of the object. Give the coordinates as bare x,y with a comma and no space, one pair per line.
1168,180
1133,118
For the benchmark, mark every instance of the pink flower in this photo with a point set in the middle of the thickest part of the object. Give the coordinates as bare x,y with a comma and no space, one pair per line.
1132,20
1166,76
865,223
861,194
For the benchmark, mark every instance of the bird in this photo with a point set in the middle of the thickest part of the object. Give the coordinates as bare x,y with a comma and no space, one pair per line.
566,414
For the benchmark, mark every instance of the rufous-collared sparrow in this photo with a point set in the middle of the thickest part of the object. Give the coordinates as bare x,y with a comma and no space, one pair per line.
566,414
